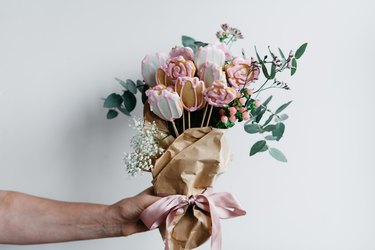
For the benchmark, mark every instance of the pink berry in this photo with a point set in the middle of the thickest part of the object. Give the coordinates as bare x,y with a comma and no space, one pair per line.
238,94
245,116
232,111
232,118
242,100
222,112
250,91
242,109
224,119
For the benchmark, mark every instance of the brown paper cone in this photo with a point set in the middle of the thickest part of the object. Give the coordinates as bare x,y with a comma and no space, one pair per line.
190,165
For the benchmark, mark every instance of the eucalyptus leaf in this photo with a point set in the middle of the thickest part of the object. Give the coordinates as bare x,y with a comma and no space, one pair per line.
123,84
269,128
123,110
277,154
252,128
294,67
278,131
283,117
112,114
258,146
264,148
300,51
188,41
113,101
268,120
131,86
129,101
260,115
200,44
265,103
270,138
273,71
282,107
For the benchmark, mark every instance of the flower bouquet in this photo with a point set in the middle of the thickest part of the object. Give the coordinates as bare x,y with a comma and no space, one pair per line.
191,96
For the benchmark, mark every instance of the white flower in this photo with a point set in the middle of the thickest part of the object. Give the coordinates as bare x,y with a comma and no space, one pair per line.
145,145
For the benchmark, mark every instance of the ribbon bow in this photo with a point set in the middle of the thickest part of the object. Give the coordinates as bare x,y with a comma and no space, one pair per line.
220,206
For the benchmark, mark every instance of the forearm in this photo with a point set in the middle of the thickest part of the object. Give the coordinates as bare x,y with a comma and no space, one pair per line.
26,219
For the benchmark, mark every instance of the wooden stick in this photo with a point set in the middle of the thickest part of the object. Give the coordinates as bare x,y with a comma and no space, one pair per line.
204,115
209,116
189,118
183,121
175,129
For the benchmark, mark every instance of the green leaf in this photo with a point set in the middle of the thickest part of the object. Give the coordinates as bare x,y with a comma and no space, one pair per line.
260,115
277,154
123,110
264,68
265,103
278,131
270,138
252,128
282,55
283,117
264,148
187,41
123,84
258,146
273,71
268,120
112,114
294,67
131,86
282,107
200,44
113,101
269,128
300,51
129,101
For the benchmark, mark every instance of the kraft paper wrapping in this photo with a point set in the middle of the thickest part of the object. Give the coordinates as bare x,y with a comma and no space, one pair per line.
191,163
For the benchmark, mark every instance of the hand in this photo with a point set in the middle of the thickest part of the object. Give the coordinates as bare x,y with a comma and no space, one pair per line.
127,211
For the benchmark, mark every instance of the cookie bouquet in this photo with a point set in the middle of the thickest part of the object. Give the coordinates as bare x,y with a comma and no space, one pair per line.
190,97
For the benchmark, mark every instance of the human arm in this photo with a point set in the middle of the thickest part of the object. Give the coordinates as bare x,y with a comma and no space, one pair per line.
26,219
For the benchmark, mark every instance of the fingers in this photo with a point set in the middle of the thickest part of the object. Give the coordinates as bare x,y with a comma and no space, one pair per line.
147,197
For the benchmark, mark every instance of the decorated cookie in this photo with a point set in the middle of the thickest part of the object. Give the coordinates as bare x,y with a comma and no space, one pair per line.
176,67
162,78
241,72
210,54
150,64
219,94
190,89
209,73
164,102
186,52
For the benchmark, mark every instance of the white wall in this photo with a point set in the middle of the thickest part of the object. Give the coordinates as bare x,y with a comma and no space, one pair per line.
58,58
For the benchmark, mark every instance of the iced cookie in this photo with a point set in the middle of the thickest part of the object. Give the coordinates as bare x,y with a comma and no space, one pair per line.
150,64
219,94
241,72
190,89
176,67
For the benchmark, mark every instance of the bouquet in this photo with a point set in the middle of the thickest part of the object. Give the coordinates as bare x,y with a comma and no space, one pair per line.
191,96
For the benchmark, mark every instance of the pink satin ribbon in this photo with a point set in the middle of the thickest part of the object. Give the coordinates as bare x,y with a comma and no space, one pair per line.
220,206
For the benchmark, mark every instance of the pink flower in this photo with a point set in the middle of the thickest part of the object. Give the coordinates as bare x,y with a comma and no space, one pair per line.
232,118
245,116
224,119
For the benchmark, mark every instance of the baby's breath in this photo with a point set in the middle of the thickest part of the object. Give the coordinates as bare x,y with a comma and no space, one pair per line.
145,145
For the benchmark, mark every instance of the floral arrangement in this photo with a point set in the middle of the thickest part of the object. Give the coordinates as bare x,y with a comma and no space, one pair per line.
191,96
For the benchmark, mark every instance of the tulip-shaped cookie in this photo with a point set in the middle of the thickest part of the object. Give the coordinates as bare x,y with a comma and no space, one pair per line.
190,89
165,103
150,65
